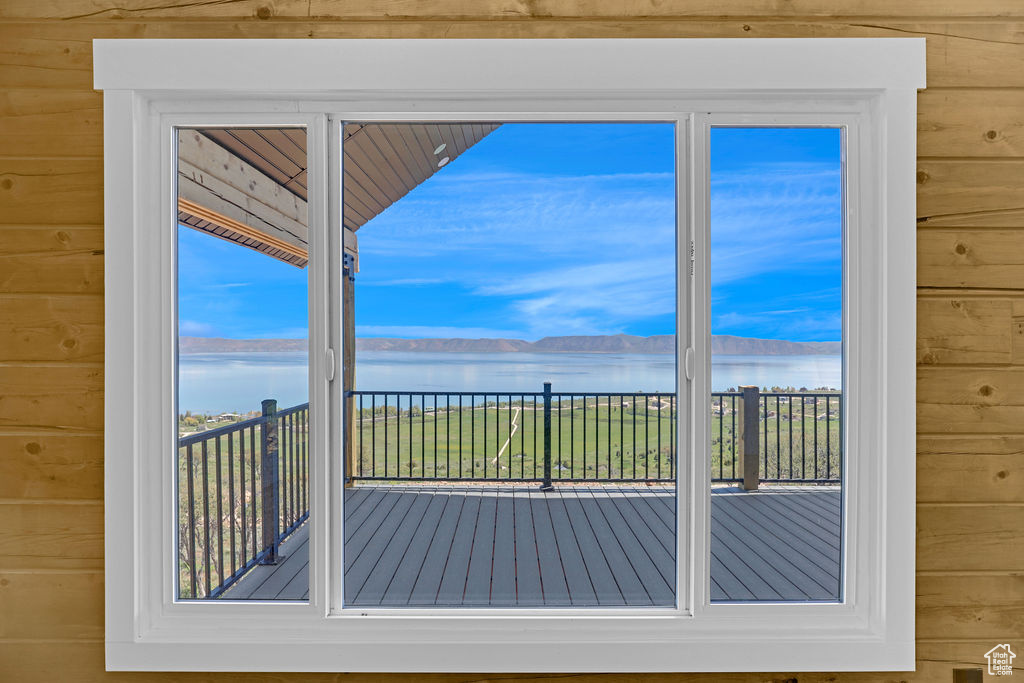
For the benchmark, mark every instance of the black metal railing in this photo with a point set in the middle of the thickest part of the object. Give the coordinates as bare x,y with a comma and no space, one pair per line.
242,488
799,435
513,436
613,437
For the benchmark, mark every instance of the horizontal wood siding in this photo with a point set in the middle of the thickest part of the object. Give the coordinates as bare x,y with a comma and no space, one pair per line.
970,592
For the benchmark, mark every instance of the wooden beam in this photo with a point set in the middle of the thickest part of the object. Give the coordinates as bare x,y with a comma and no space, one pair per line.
231,224
219,187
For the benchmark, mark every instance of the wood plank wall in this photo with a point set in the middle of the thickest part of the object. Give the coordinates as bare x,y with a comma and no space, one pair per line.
970,589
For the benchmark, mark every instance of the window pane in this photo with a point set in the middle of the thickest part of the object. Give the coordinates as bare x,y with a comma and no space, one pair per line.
242,371
495,259
776,373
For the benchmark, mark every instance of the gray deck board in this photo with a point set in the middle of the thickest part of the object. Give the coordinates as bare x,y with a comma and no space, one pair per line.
503,559
581,589
527,562
477,586
387,537
595,561
401,582
576,546
453,580
549,559
268,582
790,565
428,581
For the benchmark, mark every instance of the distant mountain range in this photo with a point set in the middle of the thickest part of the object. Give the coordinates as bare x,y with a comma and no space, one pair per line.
616,343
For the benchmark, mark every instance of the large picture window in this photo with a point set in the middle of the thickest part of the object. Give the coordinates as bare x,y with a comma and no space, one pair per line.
506,368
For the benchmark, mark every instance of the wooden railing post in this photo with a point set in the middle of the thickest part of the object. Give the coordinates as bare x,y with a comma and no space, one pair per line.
270,479
546,485
748,438
348,361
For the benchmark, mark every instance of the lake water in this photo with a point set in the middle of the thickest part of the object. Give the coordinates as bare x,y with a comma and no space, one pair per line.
237,382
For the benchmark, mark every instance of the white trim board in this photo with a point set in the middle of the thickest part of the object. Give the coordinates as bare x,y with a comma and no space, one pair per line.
531,65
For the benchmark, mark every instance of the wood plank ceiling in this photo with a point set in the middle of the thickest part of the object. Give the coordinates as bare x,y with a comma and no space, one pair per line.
382,163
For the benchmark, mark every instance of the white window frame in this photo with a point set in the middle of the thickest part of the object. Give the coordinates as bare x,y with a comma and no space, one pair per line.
868,86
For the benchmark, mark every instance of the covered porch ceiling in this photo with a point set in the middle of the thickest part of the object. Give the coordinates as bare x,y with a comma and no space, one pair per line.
249,186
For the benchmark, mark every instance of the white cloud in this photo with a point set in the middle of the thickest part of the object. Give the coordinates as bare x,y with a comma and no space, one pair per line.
438,331
593,299
282,333
229,285
401,282
194,328
793,324
773,217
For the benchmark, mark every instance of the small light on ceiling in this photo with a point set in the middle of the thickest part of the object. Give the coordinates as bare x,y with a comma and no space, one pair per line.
443,161
440,148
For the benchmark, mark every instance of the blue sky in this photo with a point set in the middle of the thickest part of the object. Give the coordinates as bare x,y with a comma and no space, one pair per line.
776,233
554,229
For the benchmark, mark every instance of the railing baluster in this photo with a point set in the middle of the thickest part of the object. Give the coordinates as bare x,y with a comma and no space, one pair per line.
609,436
828,435
362,426
778,436
622,436
472,460
253,516
289,475
815,436
659,436
839,435
674,433
584,429
243,502
734,437
398,436
303,503
206,519
423,432
189,464
647,436
292,436
305,460
231,497
534,436
547,485
635,398
484,446
790,437
220,513
764,429
572,436
283,474
373,435
522,436
803,437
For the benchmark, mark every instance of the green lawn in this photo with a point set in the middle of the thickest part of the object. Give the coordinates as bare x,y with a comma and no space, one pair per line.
796,440
591,441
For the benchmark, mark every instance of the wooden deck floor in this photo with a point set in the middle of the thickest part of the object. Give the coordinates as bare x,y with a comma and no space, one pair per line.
581,546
